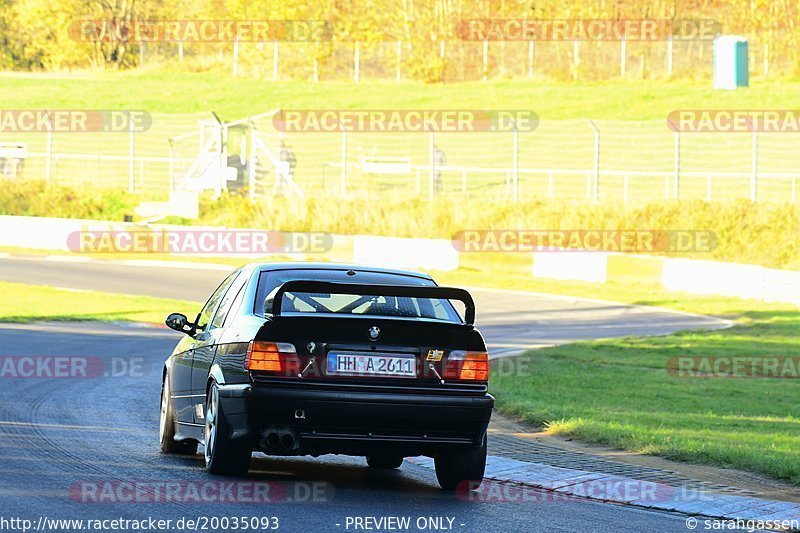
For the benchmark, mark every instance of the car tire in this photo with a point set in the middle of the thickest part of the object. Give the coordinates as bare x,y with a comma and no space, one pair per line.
458,467
223,456
166,427
384,461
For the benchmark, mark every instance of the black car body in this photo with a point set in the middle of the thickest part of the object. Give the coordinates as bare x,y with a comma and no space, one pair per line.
310,359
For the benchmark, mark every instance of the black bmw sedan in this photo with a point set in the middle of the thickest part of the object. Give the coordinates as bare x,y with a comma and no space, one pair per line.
319,358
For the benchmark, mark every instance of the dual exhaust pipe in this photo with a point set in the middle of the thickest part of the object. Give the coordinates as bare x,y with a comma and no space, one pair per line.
282,438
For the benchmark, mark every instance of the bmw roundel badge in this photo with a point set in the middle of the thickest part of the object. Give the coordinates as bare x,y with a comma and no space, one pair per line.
374,332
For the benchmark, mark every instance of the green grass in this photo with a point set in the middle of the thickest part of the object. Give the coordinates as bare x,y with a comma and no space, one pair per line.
23,303
160,91
619,393
630,115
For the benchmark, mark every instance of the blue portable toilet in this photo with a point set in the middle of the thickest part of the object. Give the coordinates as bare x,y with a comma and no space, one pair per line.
730,62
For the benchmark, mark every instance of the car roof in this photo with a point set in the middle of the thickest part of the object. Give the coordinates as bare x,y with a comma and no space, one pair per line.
306,265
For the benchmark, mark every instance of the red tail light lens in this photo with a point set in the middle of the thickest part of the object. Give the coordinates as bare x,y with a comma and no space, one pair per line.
467,366
278,358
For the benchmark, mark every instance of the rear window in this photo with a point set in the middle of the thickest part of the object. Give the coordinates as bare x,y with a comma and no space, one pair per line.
353,304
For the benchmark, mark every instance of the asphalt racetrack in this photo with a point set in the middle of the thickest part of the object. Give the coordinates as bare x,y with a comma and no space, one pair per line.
87,447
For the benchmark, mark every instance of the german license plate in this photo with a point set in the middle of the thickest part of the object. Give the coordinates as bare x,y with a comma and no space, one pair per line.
373,364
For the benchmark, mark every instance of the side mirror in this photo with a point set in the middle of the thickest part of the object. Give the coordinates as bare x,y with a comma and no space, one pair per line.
179,322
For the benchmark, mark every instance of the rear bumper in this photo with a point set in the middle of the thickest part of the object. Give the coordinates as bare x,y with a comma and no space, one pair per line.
355,422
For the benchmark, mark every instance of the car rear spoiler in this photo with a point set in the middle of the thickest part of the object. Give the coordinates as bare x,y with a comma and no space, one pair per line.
410,291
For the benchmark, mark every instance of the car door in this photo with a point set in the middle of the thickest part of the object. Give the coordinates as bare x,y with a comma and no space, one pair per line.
180,379
188,398
206,341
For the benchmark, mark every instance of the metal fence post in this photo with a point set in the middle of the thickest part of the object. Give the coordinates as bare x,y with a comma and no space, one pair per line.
356,62
754,173
275,61
398,71
343,175
316,62
431,160
223,156
677,164
236,56
576,58
180,51
131,154
669,56
530,59
48,150
171,164
485,60
515,175
251,164
442,59
596,177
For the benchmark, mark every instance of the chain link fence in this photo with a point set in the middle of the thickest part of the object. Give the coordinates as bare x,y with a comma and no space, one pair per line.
596,161
458,61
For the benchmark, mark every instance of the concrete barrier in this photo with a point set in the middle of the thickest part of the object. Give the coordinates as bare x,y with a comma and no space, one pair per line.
688,275
48,233
711,277
397,252
781,286
622,268
57,234
580,266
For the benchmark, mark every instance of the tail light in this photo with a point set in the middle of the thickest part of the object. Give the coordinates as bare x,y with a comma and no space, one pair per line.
467,366
279,358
